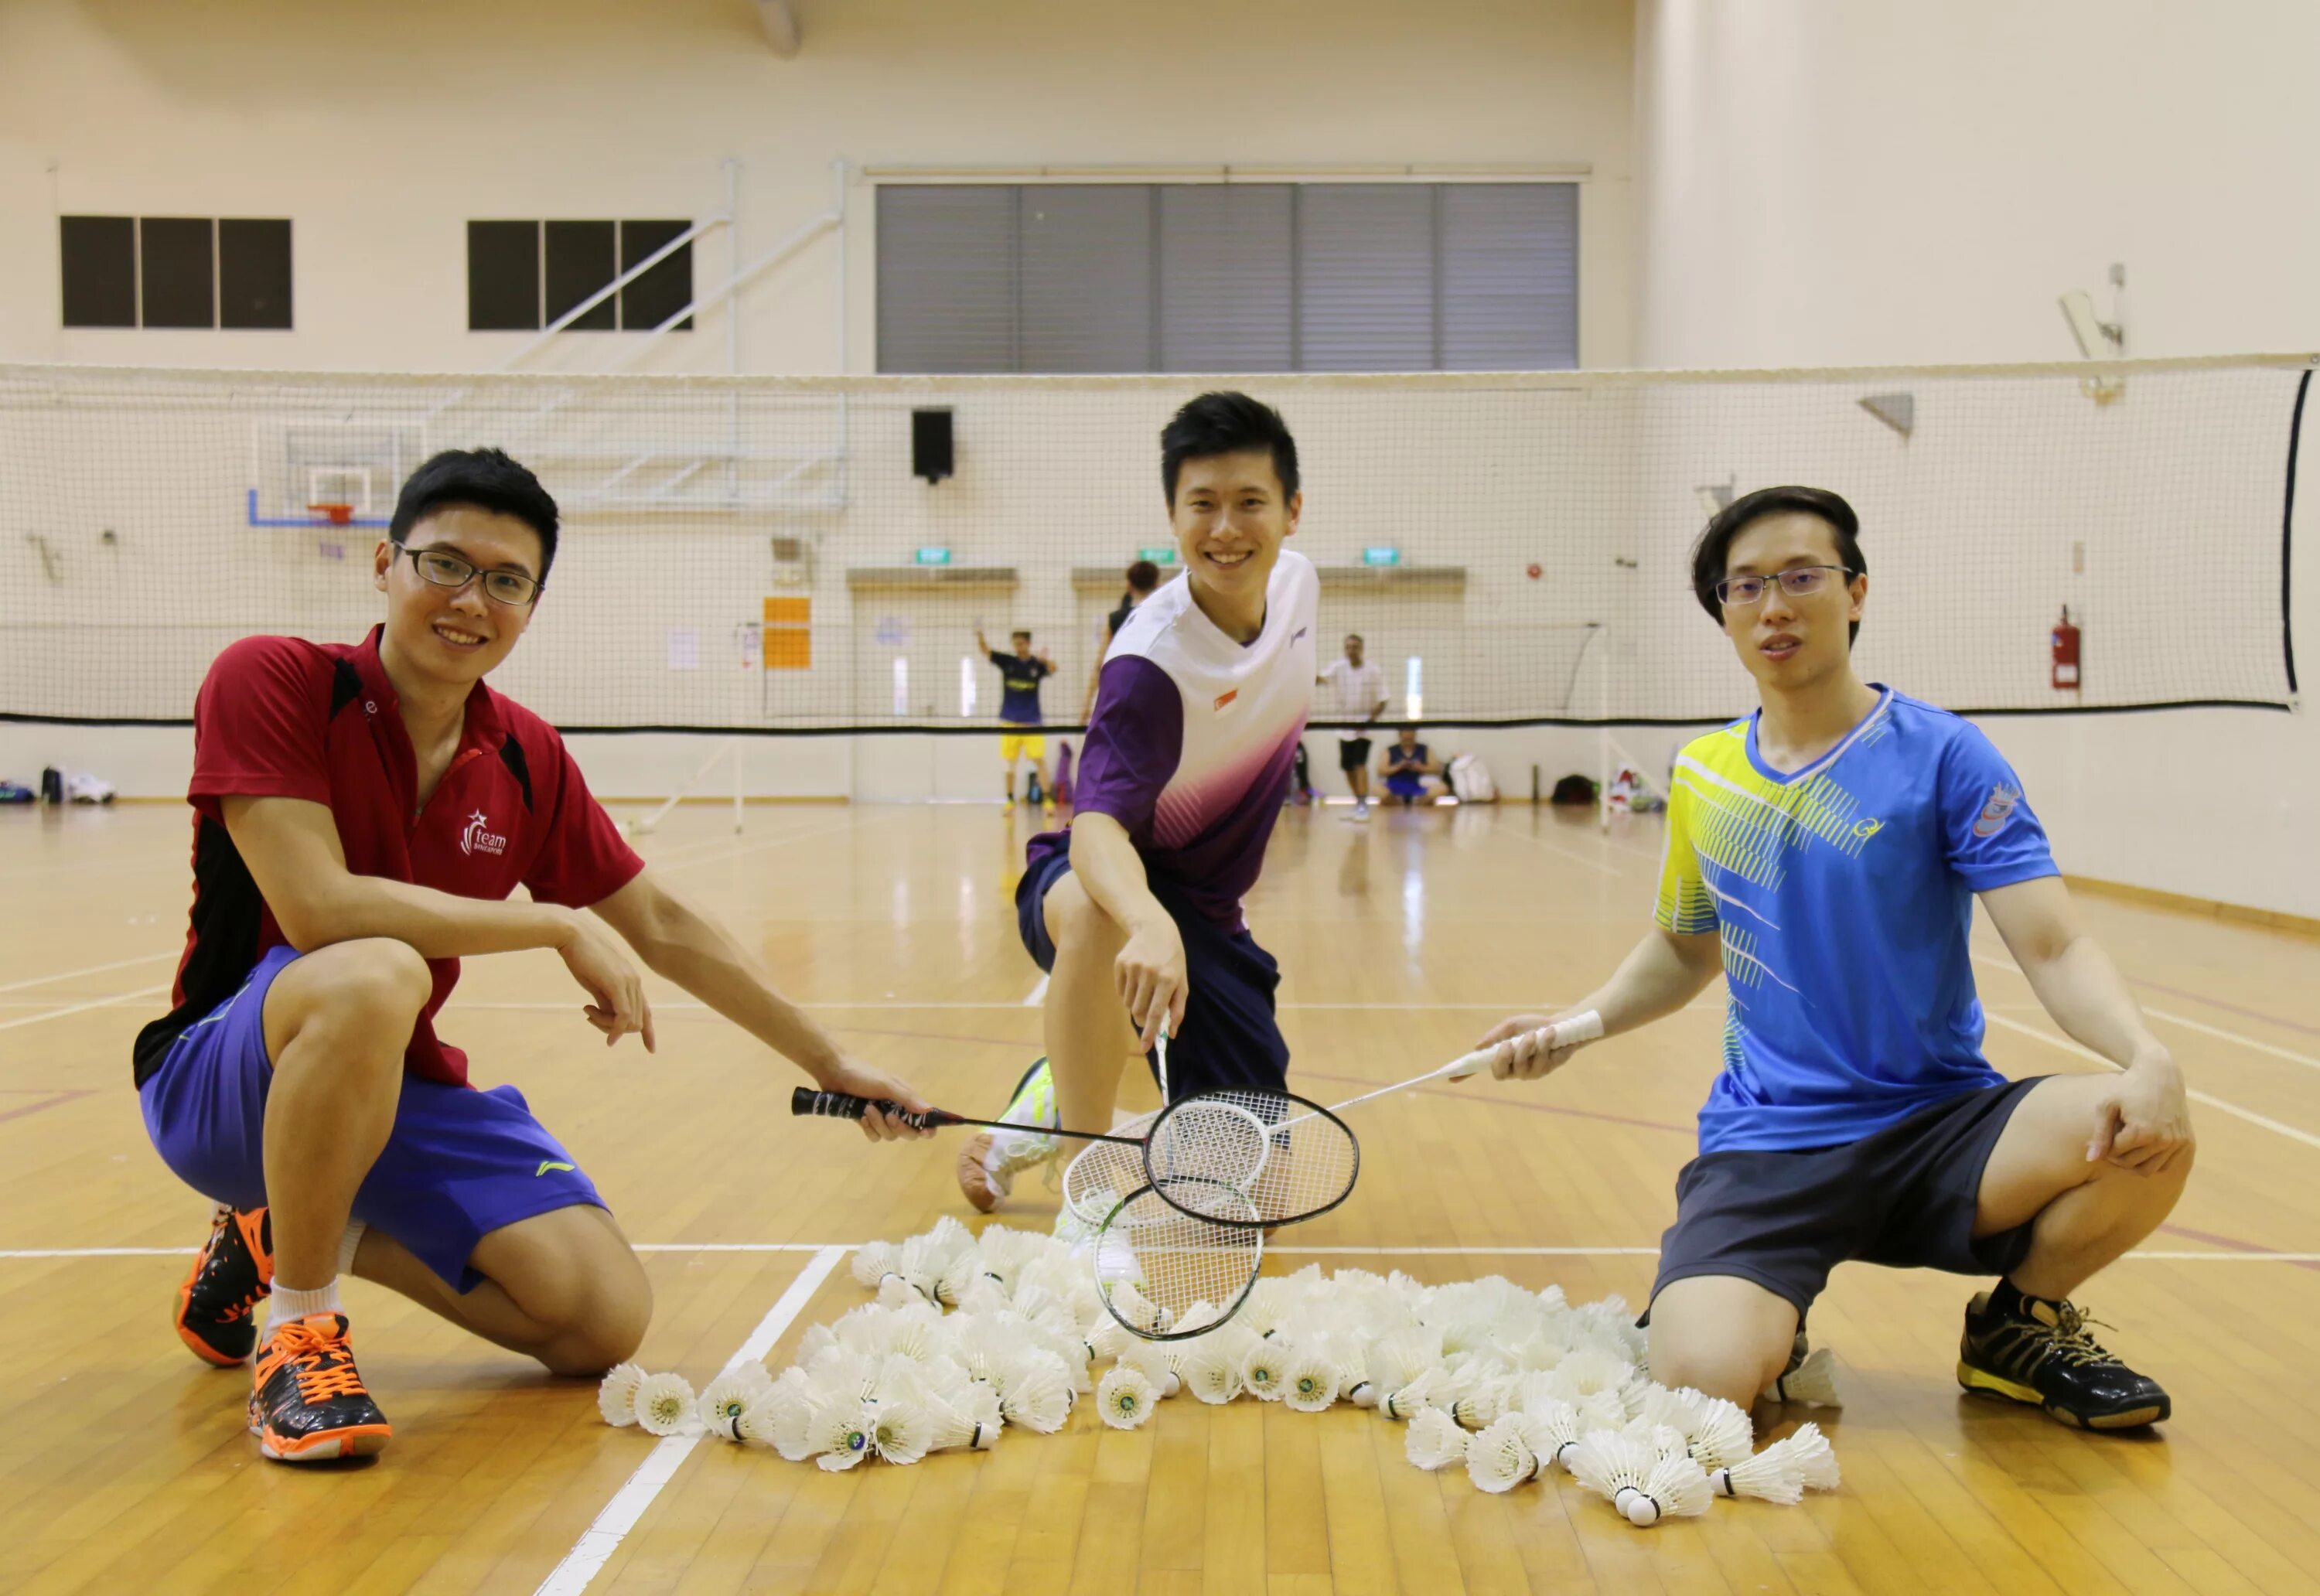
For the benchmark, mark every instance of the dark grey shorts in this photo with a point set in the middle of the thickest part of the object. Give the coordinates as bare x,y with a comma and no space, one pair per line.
1905,1197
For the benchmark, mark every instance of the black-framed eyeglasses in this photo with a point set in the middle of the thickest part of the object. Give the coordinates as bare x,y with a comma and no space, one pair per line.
439,569
1797,582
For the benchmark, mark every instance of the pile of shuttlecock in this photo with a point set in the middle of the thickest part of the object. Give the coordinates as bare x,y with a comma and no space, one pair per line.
968,1335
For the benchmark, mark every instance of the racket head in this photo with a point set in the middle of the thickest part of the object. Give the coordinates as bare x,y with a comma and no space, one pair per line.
1155,1261
1103,1175
1282,1158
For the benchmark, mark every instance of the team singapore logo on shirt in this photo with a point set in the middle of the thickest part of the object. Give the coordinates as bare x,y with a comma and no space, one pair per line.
479,838
1998,811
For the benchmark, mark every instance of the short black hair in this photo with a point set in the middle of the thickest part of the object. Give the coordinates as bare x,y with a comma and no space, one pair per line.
1707,555
1225,423
1142,576
482,479
1021,632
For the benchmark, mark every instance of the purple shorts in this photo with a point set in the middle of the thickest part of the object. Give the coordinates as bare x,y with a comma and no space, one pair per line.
458,1164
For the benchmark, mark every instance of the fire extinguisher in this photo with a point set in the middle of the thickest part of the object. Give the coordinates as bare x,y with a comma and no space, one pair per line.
2066,653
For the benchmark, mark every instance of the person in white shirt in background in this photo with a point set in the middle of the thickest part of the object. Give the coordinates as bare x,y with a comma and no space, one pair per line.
1357,691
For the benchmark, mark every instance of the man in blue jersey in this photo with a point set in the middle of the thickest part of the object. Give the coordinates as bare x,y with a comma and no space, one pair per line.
1020,674
1824,855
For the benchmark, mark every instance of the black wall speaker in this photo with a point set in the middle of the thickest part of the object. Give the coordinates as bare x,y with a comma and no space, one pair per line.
930,452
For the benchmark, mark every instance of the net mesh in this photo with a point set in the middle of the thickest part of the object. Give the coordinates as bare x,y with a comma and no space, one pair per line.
1277,1159
755,554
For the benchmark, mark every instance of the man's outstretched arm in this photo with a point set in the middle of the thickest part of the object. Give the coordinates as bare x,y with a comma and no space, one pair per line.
681,943
1661,974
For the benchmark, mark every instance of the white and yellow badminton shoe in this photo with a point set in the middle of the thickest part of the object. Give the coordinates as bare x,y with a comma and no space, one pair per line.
989,1163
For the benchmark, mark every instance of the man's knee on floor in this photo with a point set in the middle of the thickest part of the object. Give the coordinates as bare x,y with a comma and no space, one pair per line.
607,1331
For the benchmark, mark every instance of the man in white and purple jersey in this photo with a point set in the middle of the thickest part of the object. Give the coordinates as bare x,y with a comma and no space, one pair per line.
1135,909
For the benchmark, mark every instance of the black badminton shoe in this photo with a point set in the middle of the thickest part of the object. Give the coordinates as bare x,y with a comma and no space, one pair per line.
307,1400
2027,1349
218,1301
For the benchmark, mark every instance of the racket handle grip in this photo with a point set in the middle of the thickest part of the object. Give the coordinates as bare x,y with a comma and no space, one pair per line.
1566,1032
845,1105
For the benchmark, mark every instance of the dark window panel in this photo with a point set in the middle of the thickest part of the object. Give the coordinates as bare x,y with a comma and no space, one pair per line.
580,256
177,261
99,257
667,288
253,272
503,276
947,277
1228,295
1085,296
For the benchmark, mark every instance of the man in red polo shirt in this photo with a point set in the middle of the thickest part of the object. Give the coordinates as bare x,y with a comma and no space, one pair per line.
362,813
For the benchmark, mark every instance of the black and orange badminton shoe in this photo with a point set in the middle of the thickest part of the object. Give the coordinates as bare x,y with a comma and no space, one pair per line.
2032,1350
307,1402
218,1303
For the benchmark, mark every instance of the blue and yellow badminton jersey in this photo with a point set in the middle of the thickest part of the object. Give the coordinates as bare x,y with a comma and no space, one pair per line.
1843,896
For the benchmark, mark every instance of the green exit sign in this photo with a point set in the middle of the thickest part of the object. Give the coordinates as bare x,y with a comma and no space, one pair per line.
1381,557
934,556
1159,557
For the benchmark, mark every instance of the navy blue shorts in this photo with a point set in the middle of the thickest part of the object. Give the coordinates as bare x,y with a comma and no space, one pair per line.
1230,1040
458,1164
1905,1197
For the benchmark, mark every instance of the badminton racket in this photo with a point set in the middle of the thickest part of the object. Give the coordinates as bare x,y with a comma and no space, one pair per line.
1166,1273
805,1103
1290,1158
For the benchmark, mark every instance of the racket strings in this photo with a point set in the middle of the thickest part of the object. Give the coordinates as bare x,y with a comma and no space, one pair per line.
1165,1273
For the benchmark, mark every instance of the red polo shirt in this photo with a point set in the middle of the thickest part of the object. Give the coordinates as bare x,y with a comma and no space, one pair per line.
283,718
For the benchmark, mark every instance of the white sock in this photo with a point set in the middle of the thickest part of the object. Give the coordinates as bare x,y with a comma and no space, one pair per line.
347,1243
289,1302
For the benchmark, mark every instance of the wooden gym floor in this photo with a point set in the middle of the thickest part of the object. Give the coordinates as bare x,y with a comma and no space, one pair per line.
123,1462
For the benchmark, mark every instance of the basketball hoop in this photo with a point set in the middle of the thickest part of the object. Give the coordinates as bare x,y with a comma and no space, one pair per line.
337,515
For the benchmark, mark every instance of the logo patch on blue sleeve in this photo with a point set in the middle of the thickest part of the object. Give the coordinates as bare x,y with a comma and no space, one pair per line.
1998,811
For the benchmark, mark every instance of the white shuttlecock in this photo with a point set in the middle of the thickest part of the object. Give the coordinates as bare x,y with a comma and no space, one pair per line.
1155,1363
616,1397
1396,1360
1434,1440
1627,1473
1656,1404
900,1430
1814,1459
1309,1382
1261,1370
665,1404
873,1262
1589,1369
1770,1475
895,1291
1107,1339
753,1374
1676,1488
1211,1371
1812,1382
841,1436
786,1415
1125,1397
970,1420
1500,1456
1037,1393
1555,1428
1721,1433
1417,1397
723,1403
1664,1439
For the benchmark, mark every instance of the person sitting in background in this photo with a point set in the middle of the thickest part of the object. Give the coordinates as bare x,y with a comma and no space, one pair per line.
1412,774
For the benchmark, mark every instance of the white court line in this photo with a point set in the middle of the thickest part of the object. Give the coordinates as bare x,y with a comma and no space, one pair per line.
2208,1099
603,1537
766,846
119,964
842,1248
1038,994
2217,1032
104,1003
1556,849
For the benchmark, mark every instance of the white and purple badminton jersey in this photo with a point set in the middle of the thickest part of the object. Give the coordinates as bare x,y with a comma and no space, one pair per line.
1193,735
